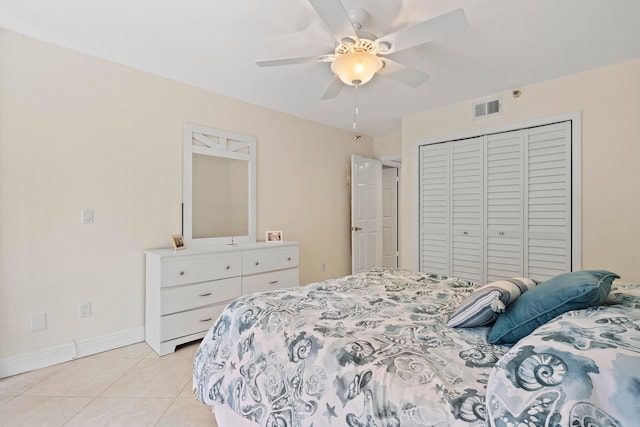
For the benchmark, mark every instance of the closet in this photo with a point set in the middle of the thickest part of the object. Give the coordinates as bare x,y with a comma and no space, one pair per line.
497,205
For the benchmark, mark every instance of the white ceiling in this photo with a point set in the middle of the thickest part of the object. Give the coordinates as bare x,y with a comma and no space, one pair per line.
213,45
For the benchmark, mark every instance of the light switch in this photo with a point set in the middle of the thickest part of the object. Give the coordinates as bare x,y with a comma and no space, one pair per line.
87,216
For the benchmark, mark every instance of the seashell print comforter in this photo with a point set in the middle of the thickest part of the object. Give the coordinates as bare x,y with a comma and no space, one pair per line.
373,349
580,369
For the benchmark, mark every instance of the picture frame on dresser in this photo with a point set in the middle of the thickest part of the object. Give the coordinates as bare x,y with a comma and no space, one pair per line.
273,236
178,242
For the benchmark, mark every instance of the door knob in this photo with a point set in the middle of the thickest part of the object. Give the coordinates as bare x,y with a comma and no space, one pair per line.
356,228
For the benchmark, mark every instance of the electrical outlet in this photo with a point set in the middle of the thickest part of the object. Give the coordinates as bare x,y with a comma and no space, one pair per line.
38,322
85,309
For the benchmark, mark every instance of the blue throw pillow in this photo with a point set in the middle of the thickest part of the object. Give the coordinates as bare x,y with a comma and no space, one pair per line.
569,291
484,305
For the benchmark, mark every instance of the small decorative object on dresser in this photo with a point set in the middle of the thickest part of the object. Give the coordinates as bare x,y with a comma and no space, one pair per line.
178,242
187,290
273,236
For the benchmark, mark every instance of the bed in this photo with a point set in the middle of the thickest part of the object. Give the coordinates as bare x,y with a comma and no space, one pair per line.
374,349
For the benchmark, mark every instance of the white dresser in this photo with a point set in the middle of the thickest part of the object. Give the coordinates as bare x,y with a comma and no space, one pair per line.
187,290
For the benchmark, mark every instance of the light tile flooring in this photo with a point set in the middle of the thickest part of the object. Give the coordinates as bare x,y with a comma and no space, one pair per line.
129,386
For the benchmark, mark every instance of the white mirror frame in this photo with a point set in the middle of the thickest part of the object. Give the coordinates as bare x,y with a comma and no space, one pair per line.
217,143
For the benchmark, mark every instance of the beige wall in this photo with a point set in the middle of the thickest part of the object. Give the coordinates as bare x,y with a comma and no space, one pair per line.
390,145
78,132
609,101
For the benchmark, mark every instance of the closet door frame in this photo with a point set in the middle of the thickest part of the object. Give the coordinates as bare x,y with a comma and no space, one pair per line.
576,175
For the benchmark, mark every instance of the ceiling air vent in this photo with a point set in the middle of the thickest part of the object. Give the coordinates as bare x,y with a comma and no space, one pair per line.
487,108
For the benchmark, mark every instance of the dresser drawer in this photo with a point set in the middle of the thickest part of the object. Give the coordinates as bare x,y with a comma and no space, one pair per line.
186,297
270,281
189,322
200,269
269,259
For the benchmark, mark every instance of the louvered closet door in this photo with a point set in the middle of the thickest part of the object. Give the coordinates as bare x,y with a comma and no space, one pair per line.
434,208
548,201
467,206
504,205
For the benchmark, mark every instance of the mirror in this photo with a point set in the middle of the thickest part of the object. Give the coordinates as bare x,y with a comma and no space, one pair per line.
220,197
218,187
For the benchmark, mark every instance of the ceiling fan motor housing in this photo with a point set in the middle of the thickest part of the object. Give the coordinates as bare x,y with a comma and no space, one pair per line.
358,18
360,45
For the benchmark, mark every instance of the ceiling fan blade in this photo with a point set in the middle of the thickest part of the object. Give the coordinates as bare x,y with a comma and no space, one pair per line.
291,61
433,29
403,74
333,88
335,17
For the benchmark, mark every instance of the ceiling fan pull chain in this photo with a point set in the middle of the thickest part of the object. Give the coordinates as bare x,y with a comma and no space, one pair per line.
355,105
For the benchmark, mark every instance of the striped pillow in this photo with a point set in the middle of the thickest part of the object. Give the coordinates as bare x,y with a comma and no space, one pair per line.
483,306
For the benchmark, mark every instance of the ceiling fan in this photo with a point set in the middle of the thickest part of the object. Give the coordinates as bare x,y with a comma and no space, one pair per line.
358,55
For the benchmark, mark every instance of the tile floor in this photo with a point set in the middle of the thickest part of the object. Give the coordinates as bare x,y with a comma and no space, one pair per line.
129,386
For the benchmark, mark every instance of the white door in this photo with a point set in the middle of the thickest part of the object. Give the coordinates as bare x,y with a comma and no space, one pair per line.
390,217
504,190
467,209
435,209
548,201
366,214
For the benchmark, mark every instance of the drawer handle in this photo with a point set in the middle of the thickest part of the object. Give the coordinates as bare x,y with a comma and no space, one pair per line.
208,319
501,233
289,259
273,282
228,267
257,263
205,295
182,273
465,233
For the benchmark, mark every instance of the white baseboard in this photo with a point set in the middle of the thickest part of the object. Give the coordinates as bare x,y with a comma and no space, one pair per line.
65,352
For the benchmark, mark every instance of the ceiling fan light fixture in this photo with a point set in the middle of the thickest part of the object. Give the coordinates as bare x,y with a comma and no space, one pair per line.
356,67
